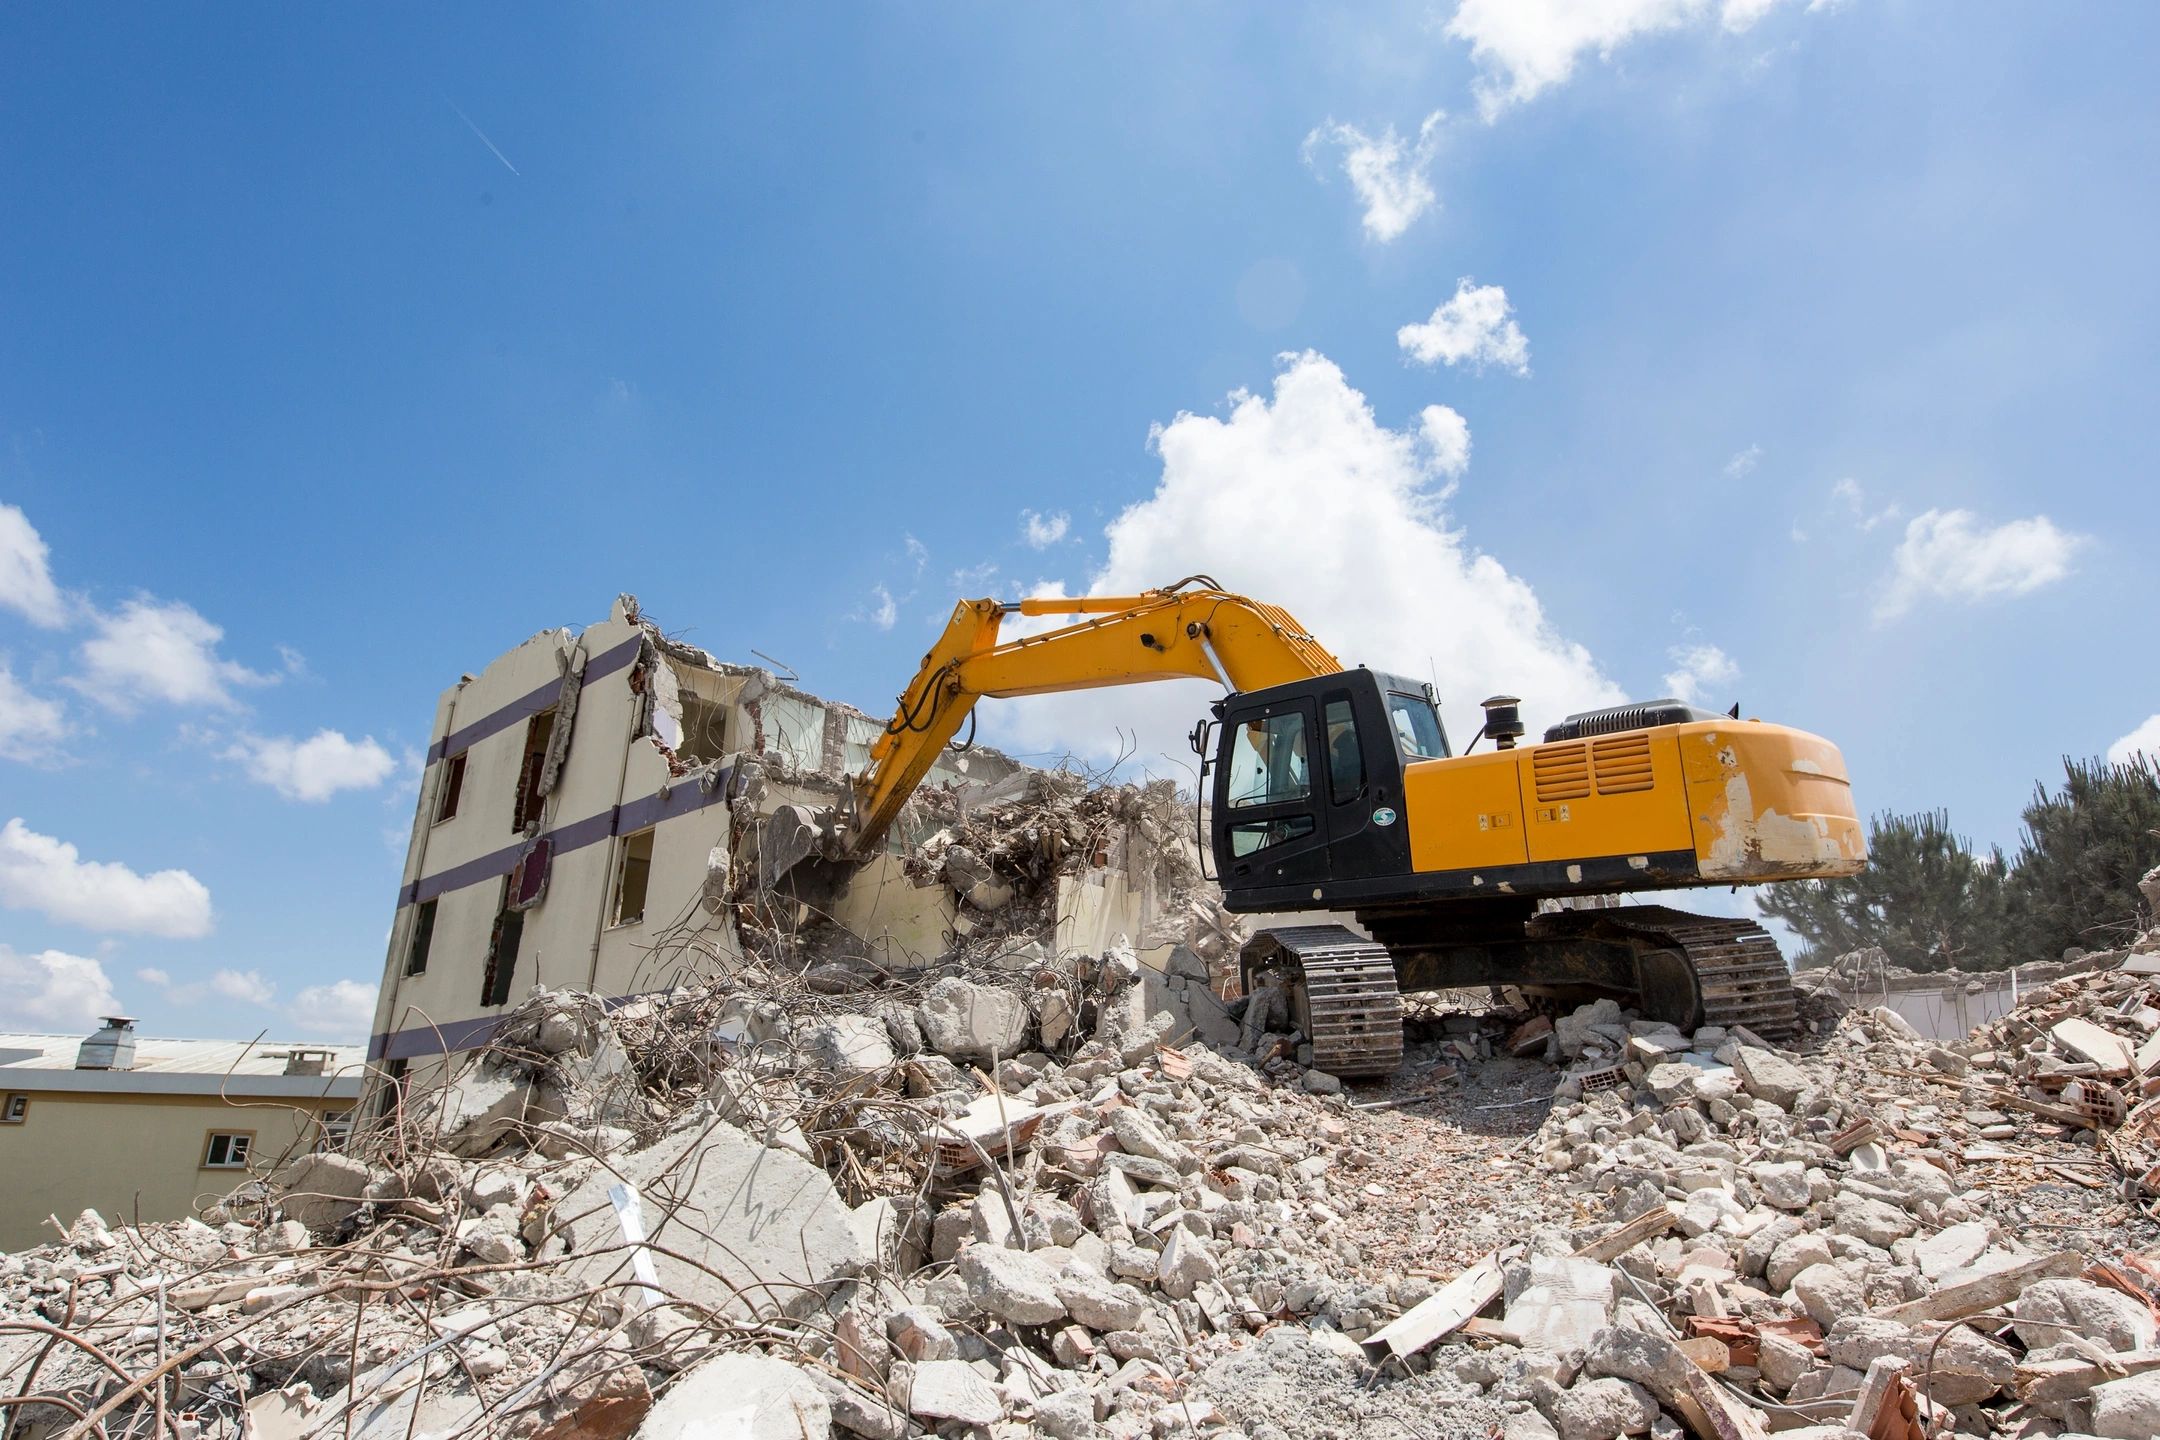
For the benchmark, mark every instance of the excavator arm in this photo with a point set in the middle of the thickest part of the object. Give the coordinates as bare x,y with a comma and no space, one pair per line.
1202,632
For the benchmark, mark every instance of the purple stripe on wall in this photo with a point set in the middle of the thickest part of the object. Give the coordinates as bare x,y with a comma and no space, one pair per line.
624,819
607,662
451,1038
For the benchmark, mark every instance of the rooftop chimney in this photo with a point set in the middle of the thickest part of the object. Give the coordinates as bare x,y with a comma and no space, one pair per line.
307,1062
112,1048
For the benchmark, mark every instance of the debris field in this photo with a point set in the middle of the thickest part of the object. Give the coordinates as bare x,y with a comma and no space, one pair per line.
1011,1194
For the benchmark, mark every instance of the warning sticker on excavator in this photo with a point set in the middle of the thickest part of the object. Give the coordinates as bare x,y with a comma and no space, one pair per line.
1383,816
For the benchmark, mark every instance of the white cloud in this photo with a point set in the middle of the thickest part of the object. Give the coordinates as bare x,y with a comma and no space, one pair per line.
156,650
151,975
246,986
1855,498
1476,325
1447,440
49,876
55,990
31,727
342,1010
1698,670
918,554
1375,572
26,583
1950,555
1043,531
2145,740
1743,463
886,610
1526,47
1388,172
316,768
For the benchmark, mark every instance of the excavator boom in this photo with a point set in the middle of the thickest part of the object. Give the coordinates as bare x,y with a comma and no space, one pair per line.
1193,629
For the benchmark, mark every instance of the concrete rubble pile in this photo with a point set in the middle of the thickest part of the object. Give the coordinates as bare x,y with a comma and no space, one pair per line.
1012,1197
998,1201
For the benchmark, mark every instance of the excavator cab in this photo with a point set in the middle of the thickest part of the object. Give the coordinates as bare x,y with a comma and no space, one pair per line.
1305,782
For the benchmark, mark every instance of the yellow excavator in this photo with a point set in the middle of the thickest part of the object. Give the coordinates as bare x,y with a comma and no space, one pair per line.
1332,790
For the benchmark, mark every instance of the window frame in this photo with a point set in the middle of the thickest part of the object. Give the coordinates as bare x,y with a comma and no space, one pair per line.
451,788
14,1107
616,919
421,941
210,1139
1329,703
1293,721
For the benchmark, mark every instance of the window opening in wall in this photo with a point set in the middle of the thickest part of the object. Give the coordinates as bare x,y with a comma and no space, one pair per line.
336,1130
502,952
537,732
14,1109
632,871
227,1149
704,728
423,936
453,785
392,1093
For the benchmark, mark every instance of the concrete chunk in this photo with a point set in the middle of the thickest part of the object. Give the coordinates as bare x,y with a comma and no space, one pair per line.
972,1022
951,1390
1013,1285
1771,1077
752,1397
763,1230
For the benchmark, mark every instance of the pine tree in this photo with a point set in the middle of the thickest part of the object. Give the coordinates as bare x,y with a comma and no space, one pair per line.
2075,881
1926,899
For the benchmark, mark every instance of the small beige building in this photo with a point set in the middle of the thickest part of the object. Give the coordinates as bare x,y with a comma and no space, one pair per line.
138,1128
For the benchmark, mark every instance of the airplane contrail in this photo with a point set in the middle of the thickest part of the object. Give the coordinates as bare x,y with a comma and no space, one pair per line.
483,137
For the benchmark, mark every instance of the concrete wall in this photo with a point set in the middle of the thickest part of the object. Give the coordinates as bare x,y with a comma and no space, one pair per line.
1948,1010
132,1156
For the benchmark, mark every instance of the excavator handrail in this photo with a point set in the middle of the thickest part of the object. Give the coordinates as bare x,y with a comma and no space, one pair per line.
1175,632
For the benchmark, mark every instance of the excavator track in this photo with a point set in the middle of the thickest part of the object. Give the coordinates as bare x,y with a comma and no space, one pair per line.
1343,995
1741,976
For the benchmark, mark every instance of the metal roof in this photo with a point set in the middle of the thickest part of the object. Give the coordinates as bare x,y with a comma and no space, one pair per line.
181,1067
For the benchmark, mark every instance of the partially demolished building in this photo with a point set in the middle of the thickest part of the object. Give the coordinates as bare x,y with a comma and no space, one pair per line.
589,818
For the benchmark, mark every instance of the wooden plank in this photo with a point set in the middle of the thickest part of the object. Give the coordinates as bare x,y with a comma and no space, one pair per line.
1617,1242
1958,1301
1447,1310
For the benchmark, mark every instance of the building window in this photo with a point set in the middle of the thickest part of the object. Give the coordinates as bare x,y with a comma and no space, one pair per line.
632,871
502,952
453,785
336,1130
228,1149
392,1093
423,936
14,1109
530,799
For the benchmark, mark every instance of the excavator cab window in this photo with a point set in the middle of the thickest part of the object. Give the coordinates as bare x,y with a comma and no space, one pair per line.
1417,726
1346,763
1268,764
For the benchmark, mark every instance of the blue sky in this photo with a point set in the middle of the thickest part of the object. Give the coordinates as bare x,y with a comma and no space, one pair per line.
1799,353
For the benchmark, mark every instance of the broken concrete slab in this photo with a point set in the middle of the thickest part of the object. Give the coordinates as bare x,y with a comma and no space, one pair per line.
1768,1076
743,1397
1565,1304
760,1230
951,1390
322,1189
